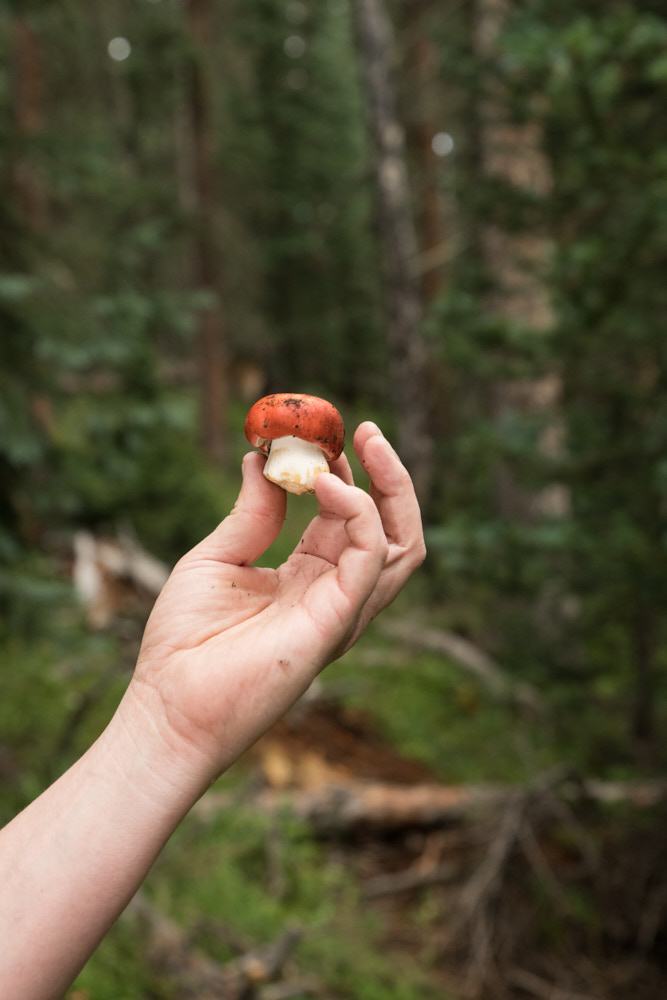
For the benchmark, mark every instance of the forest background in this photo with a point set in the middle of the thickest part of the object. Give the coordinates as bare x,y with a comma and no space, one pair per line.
449,216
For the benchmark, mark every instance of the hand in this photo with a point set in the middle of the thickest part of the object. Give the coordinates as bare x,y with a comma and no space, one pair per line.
230,646
227,649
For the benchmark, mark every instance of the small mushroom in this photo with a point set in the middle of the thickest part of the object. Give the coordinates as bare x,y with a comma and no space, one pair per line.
301,434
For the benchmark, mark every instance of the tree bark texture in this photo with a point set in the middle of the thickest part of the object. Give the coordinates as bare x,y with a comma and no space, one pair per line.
643,723
353,806
407,348
28,106
422,102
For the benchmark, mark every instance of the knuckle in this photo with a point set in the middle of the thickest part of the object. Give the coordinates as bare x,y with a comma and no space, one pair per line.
417,554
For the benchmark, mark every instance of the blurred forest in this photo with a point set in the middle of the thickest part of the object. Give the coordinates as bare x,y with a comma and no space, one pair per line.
449,216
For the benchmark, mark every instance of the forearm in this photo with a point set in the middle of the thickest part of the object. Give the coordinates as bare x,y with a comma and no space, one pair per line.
71,862
228,648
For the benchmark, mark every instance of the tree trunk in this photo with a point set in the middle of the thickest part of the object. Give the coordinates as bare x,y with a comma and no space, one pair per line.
643,711
422,101
381,807
407,348
207,270
28,104
512,153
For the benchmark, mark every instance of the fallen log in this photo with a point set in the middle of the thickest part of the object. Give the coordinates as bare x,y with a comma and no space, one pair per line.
376,806
360,806
372,806
109,573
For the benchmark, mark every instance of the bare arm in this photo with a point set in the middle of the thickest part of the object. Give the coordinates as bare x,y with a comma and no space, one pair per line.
228,648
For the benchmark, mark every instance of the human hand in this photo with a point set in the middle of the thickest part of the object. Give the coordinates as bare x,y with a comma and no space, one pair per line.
230,646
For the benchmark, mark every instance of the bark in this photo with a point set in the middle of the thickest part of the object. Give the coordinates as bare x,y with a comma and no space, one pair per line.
407,348
109,575
207,268
434,248
355,806
28,106
423,102
643,711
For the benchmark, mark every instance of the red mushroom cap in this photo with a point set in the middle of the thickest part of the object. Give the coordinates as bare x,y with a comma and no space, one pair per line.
296,414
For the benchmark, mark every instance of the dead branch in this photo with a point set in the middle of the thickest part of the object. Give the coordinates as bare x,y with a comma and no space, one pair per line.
535,857
381,806
652,917
476,907
642,794
485,883
465,654
377,806
412,878
473,908
540,988
171,951
107,573
306,987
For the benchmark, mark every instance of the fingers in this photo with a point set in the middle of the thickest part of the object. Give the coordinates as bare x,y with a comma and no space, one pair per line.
253,524
392,491
341,468
393,494
362,558
325,536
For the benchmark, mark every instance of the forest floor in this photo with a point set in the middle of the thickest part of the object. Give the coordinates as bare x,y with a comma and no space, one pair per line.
525,896
402,834
329,864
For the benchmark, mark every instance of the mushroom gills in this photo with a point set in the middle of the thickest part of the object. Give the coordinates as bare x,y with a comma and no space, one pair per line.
295,464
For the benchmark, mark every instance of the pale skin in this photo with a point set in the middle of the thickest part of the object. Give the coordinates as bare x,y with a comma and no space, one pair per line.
228,648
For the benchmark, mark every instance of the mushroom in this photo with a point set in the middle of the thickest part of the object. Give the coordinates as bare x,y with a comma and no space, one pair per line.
301,434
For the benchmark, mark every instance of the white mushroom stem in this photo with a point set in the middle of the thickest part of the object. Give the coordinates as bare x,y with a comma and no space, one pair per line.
295,464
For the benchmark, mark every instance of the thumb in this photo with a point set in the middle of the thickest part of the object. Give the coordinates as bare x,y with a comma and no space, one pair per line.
254,523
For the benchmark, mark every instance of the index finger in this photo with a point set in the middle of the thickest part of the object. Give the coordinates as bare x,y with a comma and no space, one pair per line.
254,523
391,487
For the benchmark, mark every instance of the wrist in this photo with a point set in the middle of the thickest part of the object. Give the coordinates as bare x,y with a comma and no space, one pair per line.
72,860
162,766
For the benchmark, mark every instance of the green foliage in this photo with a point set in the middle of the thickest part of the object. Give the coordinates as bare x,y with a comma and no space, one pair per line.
435,713
314,205
119,970
580,591
608,211
136,465
93,300
98,413
269,874
57,690
98,300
